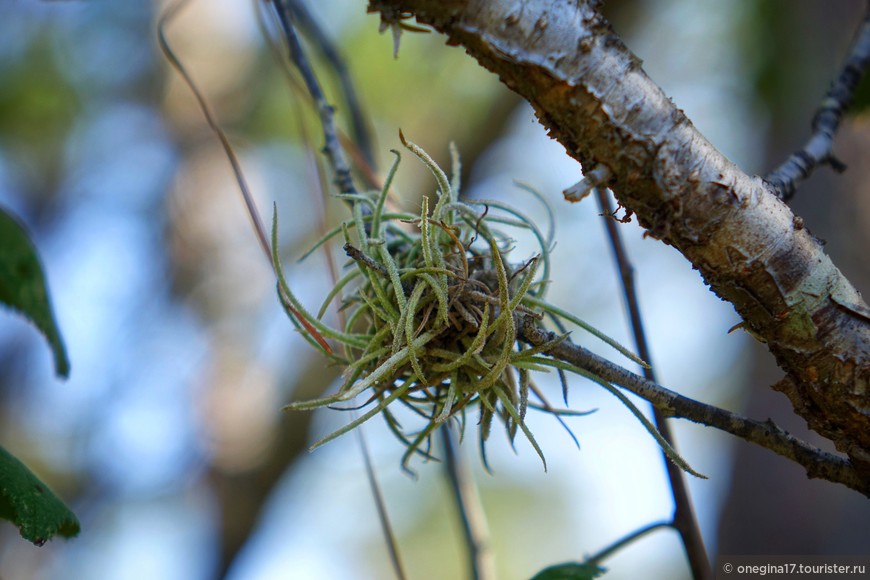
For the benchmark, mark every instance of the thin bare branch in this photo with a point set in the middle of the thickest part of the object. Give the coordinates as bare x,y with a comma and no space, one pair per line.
386,527
333,149
359,126
470,510
818,463
684,520
818,150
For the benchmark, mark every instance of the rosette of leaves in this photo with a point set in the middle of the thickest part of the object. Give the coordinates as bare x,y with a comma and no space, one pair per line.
432,307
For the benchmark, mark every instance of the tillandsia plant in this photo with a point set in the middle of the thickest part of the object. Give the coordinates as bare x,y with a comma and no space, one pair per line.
433,309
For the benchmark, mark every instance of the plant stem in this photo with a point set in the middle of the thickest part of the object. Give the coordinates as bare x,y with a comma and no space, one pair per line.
622,542
392,545
817,462
470,509
317,35
684,519
166,18
332,147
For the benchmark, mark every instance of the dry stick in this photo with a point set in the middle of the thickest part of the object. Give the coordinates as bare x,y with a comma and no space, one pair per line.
684,519
818,149
471,513
359,154
332,147
818,463
381,506
360,128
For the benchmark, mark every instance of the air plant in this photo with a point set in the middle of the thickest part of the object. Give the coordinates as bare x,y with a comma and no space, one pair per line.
433,311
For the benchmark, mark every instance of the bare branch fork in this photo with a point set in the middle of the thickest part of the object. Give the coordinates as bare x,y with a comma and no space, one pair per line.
592,94
818,150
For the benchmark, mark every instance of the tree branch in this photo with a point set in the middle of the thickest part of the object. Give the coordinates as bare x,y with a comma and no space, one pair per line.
332,148
594,97
684,520
818,149
818,463
381,506
359,125
481,560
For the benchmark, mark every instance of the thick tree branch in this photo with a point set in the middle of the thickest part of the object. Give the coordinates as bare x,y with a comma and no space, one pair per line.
591,93
818,463
818,150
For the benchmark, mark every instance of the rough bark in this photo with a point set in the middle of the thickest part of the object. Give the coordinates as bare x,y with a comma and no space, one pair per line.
592,94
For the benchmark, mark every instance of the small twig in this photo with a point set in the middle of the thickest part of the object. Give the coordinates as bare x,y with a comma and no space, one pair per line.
359,126
623,542
356,254
685,521
481,559
382,508
332,147
818,149
355,146
818,463
595,178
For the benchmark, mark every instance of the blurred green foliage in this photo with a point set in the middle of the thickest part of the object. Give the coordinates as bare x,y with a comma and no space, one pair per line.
23,287
570,572
38,107
30,505
24,499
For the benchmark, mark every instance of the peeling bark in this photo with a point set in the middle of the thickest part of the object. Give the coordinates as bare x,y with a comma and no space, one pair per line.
593,96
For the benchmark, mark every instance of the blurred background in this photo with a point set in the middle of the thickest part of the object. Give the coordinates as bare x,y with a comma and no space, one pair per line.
169,441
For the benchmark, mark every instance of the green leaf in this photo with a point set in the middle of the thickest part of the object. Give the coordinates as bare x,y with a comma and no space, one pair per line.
570,571
30,505
23,288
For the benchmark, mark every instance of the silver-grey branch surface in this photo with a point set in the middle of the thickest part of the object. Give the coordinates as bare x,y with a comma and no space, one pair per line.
592,94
